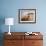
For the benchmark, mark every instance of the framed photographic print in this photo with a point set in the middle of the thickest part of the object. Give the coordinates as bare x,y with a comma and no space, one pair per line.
27,15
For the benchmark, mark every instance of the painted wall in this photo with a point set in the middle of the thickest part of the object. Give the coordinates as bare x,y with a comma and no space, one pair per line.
9,8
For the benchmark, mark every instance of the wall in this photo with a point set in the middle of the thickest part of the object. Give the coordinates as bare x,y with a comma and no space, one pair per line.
9,8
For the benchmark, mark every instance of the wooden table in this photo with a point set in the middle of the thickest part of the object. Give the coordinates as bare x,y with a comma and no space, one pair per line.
20,39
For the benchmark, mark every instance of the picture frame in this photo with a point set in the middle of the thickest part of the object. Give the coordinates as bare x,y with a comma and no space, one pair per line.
27,16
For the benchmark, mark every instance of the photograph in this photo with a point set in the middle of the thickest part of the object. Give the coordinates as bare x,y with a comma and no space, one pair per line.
27,15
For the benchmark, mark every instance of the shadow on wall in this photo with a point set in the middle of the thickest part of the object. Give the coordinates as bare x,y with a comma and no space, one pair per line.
2,21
